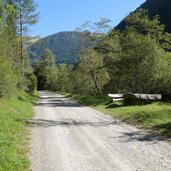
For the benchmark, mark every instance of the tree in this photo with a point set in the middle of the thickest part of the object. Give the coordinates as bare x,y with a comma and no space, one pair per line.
91,73
48,58
8,31
63,78
136,67
10,56
43,69
8,73
8,78
26,17
141,23
94,31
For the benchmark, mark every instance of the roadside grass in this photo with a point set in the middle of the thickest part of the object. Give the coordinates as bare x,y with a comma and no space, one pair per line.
13,131
156,117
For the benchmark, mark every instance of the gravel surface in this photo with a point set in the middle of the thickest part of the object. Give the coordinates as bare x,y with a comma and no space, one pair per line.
67,136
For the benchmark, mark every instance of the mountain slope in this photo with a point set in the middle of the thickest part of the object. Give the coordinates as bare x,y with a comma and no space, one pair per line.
155,7
65,46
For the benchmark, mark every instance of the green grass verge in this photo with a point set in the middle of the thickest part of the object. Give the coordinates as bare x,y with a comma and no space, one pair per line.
14,133
156,117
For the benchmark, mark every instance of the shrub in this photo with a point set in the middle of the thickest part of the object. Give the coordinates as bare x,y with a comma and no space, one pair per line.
8,78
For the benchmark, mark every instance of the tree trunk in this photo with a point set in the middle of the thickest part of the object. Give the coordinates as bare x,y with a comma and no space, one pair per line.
21,45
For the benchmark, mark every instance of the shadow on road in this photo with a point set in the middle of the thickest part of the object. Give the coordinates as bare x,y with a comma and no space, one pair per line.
68,122
58,103
140,136
134,136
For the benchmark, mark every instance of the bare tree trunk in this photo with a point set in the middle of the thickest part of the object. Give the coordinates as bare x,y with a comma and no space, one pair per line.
21,45
95,84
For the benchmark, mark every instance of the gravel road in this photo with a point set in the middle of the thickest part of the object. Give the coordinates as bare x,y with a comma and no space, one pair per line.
67,136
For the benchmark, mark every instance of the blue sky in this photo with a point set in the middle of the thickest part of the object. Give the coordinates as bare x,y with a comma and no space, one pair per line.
66,15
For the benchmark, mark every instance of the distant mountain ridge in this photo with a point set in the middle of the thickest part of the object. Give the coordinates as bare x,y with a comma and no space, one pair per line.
155,7
66,47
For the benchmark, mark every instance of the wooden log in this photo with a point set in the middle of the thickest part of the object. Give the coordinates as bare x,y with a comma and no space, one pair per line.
144,96
140,98
115,95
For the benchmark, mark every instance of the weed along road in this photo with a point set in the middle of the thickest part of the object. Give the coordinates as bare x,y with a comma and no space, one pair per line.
67,136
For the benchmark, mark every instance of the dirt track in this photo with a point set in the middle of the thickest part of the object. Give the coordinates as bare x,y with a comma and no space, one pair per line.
67,136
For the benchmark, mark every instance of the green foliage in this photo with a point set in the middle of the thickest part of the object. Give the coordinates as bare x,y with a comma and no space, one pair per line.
155,7
133,62
141,23
14,114
26,17
10,47
136,59
91,76
161,8
31,82
53,79
63,82
90,100
164,81
26,10
88,77
48,58
8,78
43,70
14,111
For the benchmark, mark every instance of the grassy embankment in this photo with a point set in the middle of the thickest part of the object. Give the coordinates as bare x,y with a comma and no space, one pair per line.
155,117
13,131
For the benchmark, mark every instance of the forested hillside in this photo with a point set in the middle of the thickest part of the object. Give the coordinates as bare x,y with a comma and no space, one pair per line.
156,7
66,47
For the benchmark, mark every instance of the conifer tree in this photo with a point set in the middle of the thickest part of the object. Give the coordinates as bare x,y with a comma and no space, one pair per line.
27,16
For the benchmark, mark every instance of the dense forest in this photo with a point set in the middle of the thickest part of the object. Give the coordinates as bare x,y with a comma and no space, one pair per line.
136,60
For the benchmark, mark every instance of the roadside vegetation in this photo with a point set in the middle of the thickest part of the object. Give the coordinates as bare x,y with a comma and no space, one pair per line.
155,117
14,134
134,60
17,83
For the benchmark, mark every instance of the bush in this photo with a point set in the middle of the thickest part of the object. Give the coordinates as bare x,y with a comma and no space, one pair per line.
31,82
8,78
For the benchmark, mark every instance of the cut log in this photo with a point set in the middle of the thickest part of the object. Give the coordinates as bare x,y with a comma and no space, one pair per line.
116,97
132,98
140,98
144,96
